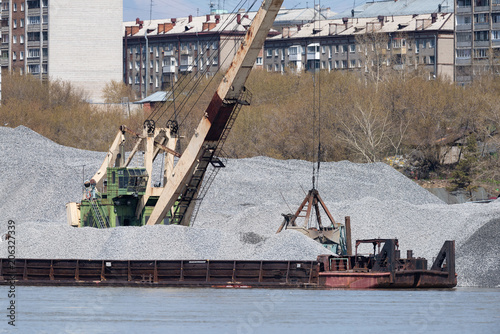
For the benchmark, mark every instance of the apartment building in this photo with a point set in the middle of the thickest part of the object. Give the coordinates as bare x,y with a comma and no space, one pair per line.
477,38
405,42
158,52
70,40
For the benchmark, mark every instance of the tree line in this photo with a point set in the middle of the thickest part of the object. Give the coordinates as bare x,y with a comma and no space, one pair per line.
344,114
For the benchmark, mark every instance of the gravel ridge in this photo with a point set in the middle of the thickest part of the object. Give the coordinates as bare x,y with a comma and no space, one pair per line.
241,212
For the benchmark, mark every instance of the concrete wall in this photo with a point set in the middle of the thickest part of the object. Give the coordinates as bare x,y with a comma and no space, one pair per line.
85,43
446,56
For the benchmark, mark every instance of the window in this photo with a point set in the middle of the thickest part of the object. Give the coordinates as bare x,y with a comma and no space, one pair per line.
269,67
21,39
21,23
323,65
214,45
215,61
258,61
150,64
344,63
417,46
336,49
337,64
34,19
269,53
157,65
22,7
481,53
129,80
463,53
14,55
130,65
21,55
45,19
495,35
276,52
34,69
137,65
323,49
14,39
143,65
276,67
481,35
157,82
14,7
136,81
431,44
463,3
14,23
330,53
464,37
352,48
353,63
292,51
481,18
150,49
33,53
157,52
431,60
464,19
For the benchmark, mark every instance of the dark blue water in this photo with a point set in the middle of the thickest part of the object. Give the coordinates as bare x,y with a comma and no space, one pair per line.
176,310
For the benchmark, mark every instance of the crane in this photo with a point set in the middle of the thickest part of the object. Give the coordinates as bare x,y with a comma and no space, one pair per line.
126,196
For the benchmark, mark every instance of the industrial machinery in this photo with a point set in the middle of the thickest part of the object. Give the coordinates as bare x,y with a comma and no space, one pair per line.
332,235
120,195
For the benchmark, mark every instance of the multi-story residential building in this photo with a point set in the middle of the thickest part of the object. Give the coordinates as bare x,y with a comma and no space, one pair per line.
399,42
158,52
477,38
70,40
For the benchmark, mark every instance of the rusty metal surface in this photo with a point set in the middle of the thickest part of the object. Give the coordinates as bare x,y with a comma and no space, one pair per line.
202,273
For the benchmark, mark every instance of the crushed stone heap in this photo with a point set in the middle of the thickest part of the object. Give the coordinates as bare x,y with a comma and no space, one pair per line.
241,212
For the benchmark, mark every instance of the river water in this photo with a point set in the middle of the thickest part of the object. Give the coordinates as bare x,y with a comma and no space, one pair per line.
203,310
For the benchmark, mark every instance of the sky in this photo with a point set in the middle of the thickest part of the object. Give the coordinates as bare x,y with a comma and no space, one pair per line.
163,9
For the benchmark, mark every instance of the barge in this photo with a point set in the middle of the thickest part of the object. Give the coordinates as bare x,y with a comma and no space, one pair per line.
382,270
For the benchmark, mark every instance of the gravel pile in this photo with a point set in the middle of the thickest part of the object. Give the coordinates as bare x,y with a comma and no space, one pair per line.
241,213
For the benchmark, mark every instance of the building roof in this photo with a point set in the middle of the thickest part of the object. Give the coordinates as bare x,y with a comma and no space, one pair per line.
301,15
156,97
398,24
398,7
226,22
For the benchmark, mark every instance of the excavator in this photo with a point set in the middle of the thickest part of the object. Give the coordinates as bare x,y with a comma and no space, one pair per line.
121,195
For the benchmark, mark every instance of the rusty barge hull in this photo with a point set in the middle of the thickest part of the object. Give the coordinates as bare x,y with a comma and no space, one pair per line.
385,270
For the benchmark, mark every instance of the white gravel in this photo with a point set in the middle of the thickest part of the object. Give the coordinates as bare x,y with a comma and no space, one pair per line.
241,212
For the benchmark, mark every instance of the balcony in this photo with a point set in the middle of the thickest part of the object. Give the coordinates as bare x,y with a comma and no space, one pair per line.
186,52
481,44
4,62
464,78
34,12
478,9
463,61
464,27
169,69
464,44
495,26
33,44
495,43
461,10
482,26
399,50
169,53
185,68
33,27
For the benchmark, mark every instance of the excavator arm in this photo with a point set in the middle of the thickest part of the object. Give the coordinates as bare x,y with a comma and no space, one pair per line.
184,183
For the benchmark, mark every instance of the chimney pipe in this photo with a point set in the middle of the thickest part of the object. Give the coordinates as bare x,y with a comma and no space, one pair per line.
208,17
434,17
238,18
190,18
173,20
345,20
217,18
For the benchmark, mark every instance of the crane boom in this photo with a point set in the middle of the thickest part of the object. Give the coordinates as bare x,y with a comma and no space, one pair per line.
186,176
